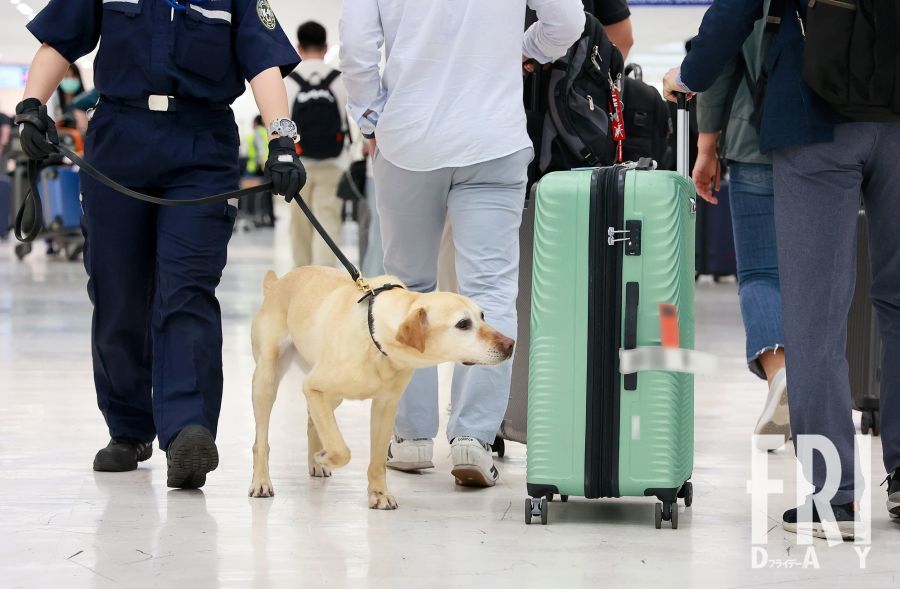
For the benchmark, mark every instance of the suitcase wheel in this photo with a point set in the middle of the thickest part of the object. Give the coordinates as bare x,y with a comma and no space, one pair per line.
687,493
499,446
564,498
870,422
667,512
535,507
22,250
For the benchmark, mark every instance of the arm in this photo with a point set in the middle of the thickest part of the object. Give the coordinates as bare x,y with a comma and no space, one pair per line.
560,24
725,27
48,68
271,95
362,37
621,35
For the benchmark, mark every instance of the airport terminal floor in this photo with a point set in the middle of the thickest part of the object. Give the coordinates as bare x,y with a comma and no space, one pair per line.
63,525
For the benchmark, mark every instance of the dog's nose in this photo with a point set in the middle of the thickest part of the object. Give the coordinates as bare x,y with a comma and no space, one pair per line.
507,345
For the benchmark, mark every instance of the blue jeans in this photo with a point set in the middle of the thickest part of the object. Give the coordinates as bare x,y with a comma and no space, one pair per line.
753,218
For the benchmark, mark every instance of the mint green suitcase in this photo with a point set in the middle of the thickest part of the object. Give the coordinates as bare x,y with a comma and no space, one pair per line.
610,246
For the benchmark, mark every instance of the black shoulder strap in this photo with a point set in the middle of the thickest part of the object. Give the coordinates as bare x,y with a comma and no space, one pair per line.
330,78
305,86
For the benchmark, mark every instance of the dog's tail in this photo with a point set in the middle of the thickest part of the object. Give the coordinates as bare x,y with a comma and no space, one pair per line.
270,279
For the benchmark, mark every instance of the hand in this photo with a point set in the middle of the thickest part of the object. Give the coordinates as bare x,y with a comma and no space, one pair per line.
707,175
528,65
372,144
37,131
672,87
284,169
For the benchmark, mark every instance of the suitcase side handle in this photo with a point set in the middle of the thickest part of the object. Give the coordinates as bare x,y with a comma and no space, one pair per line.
629,337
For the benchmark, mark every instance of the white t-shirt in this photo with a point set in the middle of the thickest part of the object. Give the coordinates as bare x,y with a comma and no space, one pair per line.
451,91
311,68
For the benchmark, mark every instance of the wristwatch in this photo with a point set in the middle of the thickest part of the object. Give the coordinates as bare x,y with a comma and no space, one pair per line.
284,128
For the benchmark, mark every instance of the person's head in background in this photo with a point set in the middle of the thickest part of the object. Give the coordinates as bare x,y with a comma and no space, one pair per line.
70,87
258,122
311,41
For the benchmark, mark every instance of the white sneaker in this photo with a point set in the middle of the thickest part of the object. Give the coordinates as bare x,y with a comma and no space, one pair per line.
473,465
775,419
410,455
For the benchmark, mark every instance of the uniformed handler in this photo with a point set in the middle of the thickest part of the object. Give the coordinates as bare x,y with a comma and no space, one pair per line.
167,71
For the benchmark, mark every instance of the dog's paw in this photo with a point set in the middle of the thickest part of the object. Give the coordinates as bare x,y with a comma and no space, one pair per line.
261,489
332,460
379,500
319,470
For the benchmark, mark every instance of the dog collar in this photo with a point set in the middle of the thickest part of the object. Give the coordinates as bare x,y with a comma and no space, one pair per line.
370,296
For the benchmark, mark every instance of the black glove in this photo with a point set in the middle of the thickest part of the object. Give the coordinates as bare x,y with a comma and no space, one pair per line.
284,169
37,131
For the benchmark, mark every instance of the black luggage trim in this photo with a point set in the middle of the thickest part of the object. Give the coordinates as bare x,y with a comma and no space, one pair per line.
632,296
601,449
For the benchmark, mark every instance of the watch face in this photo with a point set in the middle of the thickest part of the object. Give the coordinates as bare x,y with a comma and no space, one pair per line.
285,127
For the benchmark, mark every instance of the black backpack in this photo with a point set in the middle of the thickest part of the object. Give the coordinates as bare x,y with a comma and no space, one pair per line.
647,120
851,56
577,126
318,118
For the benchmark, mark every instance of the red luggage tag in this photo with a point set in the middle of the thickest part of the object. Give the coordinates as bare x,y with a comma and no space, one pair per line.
617,115
668,326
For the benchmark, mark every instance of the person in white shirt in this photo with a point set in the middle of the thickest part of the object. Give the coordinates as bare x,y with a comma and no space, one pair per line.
319,109
452,146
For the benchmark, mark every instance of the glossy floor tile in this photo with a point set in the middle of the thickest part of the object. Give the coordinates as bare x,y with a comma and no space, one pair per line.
62,525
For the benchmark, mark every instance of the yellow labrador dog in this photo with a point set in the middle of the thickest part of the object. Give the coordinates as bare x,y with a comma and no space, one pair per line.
355,348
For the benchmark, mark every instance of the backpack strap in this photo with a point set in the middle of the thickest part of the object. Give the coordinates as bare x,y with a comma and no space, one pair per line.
330,78
305,86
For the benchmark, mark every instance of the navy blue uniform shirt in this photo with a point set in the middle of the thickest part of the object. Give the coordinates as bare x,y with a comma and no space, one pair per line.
146,47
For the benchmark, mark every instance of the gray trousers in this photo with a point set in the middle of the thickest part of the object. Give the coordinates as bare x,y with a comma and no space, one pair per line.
483,203
817,196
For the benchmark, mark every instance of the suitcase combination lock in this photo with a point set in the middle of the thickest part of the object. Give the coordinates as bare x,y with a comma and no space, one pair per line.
630,236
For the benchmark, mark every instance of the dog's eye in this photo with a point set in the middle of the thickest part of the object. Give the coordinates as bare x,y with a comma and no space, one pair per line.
464,324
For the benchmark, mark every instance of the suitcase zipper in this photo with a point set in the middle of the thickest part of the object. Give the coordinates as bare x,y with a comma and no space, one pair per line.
604,319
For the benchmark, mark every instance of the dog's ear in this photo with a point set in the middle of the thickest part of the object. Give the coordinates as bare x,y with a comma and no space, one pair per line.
412,332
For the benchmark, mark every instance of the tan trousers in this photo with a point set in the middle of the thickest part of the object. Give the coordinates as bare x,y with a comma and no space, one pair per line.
320,193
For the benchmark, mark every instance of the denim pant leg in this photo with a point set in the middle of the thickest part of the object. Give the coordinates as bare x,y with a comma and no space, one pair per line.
753,218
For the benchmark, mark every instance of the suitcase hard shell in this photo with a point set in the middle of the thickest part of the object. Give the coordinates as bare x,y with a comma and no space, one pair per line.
591,431
864,339
6,214
514,423
715,237
60,197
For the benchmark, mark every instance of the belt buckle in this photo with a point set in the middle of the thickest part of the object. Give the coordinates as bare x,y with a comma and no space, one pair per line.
158,103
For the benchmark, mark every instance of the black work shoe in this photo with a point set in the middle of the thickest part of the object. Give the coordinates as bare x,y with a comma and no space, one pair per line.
191,455
122,455
893,500
843,514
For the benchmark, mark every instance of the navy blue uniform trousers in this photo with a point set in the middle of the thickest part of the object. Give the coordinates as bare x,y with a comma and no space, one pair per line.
153,270
818,189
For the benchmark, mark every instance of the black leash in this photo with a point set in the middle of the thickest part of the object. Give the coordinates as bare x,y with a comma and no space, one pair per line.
29,218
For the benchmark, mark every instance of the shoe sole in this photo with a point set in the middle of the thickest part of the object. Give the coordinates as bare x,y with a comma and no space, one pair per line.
195,456
410,466
818,530
469,475
105,463
893,506
776,418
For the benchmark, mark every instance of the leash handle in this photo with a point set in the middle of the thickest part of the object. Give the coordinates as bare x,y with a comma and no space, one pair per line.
29,220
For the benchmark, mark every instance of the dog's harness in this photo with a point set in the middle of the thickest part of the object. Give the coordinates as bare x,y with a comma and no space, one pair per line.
370,297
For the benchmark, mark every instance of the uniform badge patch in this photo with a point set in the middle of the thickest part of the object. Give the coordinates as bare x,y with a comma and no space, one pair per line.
266,16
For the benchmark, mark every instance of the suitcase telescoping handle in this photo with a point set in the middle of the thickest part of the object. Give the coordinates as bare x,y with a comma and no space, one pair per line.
682,135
